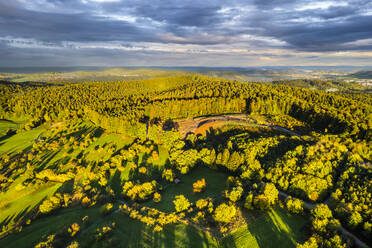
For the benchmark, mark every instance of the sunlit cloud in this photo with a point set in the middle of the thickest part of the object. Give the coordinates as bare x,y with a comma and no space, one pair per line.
239,33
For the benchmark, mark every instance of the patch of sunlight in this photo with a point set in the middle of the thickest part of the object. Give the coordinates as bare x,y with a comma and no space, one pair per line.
278,222
281,225
245,236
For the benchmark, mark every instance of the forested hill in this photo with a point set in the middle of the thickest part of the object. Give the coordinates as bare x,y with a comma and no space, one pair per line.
107,164
120,105
363,74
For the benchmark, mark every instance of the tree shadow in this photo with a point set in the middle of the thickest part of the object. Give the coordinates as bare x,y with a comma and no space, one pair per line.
274,229
279,150
9,134
115,182
19,219
45,159
198,238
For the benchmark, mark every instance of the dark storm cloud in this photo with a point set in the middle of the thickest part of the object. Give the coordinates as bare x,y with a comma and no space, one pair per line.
318,29
306,25
323,36
189,16
56,27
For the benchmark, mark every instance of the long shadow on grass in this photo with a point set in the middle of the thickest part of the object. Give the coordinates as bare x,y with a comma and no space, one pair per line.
115,182
46,159
197,238
270,231
6,136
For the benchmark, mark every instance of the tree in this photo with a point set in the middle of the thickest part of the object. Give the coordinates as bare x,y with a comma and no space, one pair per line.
168,175
267,198
53,203
74,229
249,201
271,193
201,203
235,194
74,244
312,242
234,161
157,197
106,209
294,205
225,156
224,213
355,219
321,216
321,211
334,225
199,185
181,203
139,191
261,202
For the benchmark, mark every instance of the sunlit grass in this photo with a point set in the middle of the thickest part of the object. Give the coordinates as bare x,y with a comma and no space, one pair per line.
276,229
216,183
18,201
20,141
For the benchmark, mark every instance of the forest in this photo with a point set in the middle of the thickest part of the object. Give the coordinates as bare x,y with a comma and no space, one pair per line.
108,164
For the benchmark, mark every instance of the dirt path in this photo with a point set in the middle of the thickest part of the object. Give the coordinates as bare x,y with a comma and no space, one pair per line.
200,125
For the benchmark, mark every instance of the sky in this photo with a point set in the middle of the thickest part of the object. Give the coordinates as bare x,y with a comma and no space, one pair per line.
239,33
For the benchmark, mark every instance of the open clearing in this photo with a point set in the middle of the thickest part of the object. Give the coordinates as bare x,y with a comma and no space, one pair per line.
200,125
215,185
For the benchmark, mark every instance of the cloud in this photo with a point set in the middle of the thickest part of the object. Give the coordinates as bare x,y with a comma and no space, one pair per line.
214,28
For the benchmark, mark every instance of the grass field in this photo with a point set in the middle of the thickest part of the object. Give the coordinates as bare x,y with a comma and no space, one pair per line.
132,233
5,125
276,229
216,182
127,232
18,200
46,225
15,203
20,141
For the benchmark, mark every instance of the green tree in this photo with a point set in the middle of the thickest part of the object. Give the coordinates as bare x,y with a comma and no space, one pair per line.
224,213
271,193
235,194
321,211
355,219
249,201
234,161
261,202
181,203
295,205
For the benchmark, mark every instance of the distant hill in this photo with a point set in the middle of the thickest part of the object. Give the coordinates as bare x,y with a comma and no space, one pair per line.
93,74
362,74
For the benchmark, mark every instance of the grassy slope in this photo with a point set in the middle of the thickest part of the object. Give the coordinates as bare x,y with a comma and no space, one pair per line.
127,232
46,225
16,203
20,141
5,125
132,233
17,200
276,229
